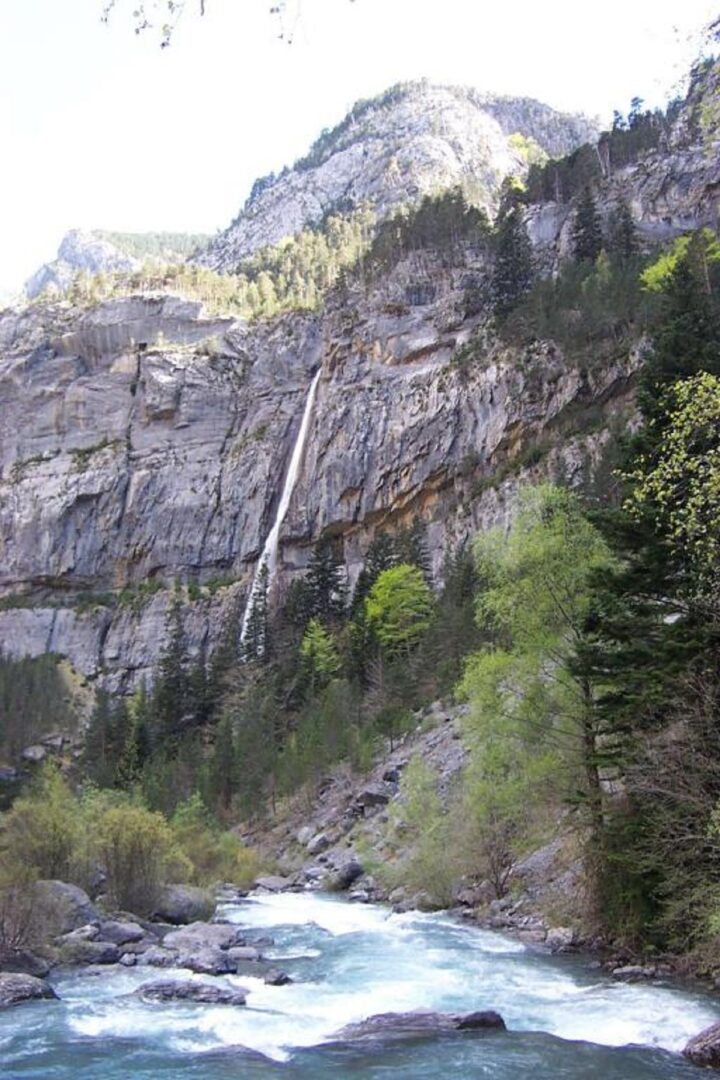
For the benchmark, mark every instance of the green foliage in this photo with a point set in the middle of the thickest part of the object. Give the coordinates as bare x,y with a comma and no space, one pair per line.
163,246
319,656
213,854
137,849
34,701
42,830
398,608
679,486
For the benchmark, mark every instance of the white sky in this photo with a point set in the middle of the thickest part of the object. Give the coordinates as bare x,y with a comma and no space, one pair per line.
103,129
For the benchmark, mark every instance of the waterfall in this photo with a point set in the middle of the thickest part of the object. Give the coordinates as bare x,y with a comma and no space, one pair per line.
269,553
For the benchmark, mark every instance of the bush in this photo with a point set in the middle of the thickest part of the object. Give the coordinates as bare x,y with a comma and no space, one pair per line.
213,854
43,829
17,907
138,851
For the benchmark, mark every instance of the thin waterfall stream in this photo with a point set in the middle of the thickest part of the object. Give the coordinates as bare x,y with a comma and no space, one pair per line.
269,555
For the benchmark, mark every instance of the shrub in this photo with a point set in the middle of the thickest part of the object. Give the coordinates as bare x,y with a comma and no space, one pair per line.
213,854
138,851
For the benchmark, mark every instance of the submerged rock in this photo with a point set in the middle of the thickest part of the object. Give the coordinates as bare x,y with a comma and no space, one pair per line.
704,1049
277,978
16,988
408,1025
197,992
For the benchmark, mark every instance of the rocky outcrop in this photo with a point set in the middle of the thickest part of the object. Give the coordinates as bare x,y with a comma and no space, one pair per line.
413,140
16,989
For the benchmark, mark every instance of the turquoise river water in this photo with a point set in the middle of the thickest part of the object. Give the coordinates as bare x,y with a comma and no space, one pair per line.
350,961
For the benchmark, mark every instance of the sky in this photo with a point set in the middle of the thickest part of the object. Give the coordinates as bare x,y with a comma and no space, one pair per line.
101,128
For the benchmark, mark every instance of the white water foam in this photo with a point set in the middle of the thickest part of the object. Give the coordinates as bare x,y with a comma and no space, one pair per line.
365,960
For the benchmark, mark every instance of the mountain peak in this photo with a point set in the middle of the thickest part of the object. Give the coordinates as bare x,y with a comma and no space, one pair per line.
414,139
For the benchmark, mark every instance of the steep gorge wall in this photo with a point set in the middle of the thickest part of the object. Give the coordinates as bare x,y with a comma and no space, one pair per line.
141,442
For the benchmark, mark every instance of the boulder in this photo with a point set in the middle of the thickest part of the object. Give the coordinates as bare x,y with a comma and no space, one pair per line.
120,932
413,1024
202,935
206,961
181,904
272,883
277,978
16,988
304,835
24,962
704,1049
346,873
89,932
156,956
196,992
64,907
128,959
80,951
34,754
318,843
634,973
371,797
560,939
239,953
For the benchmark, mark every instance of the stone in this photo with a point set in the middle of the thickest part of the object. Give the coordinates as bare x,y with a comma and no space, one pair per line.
207,961
318,843
16,988
704,1049
203,935
634,973
128,959
277,978
64,907
182,904
89,932
560,939
197,992
24,962
372,796
272,883
413,1024
304,835
34,754
80,951
156,956
346,872
121,933
238,953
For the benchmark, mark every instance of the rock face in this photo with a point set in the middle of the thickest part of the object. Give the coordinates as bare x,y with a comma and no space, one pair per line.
16,989
144,443
414,139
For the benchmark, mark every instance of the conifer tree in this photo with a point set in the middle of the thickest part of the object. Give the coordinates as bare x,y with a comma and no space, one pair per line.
623,239
172,693
513,269
327,583
587,231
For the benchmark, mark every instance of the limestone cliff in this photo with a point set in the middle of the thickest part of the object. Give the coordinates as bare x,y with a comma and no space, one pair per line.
143,442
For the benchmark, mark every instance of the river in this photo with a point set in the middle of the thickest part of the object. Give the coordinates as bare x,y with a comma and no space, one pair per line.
350,961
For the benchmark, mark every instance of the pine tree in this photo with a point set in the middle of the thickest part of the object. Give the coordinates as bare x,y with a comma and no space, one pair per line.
623,239
327,583
587,231
513,269
172,692
222,766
